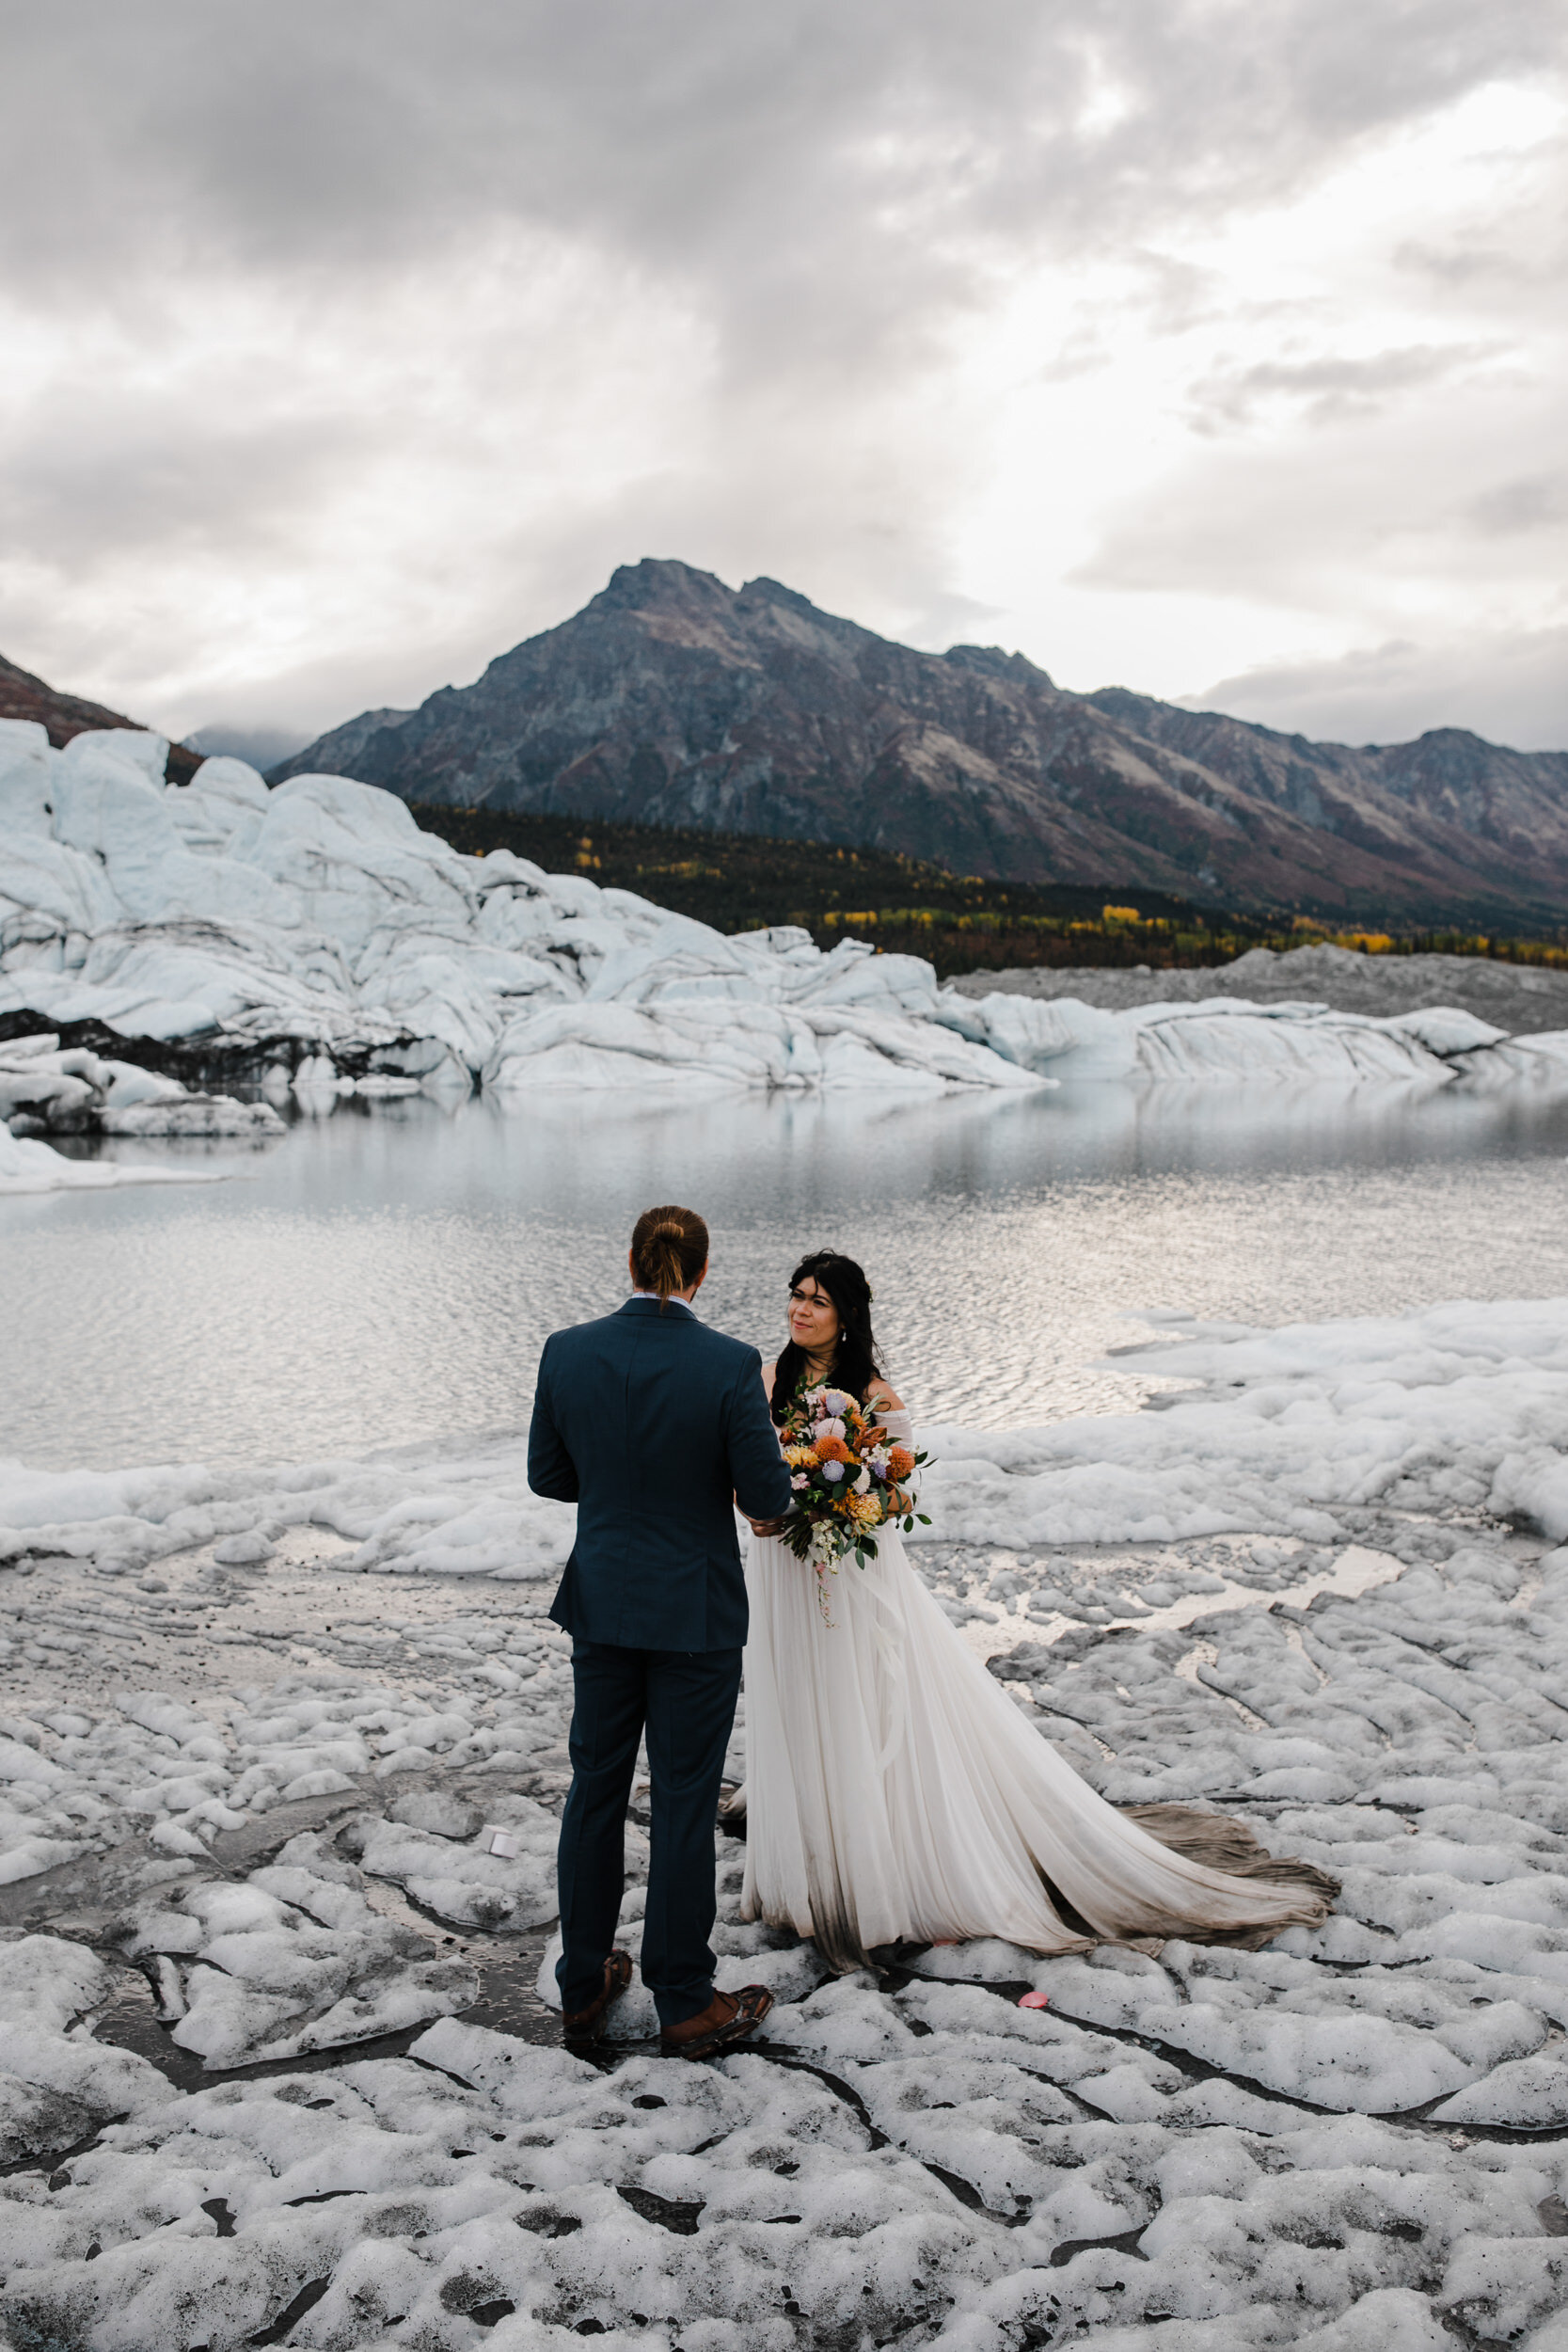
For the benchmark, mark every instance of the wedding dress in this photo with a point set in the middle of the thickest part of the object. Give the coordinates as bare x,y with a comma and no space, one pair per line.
894,1792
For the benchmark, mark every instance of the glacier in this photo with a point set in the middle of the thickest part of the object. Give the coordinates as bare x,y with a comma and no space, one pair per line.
313,937
315,933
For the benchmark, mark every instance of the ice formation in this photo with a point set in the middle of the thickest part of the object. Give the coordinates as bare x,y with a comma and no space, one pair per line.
251,1789
317,927
27,1166
1224,1037
294,1960
45,1090
316,932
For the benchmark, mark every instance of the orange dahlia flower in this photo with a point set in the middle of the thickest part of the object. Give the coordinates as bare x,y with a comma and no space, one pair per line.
831,1450
900,1461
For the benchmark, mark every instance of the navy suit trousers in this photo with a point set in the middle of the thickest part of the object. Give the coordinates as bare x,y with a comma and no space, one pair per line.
684,1700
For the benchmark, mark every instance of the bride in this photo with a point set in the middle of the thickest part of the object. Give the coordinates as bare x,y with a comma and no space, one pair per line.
895,1794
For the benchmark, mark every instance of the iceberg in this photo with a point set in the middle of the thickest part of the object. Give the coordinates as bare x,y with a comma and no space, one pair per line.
314,938
77,1090
26,1166
45,1089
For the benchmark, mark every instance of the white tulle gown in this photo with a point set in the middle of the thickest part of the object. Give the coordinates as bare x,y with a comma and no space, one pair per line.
894,1792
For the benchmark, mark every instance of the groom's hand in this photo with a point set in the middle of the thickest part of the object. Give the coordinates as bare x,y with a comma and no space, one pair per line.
766,1527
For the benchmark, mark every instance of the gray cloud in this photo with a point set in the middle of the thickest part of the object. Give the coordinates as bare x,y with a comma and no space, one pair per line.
1529,503
1329,387
810,149
1261,519
1464,265
263,746
96,471
251,241
1511,689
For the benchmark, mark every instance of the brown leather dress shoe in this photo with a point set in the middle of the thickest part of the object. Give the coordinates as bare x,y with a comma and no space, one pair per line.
728,2018
587,2025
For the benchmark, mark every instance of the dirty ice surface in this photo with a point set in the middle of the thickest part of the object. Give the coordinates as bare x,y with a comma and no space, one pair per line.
275,2056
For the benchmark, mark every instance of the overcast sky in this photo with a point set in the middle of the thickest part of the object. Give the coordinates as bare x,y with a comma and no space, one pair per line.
1212,347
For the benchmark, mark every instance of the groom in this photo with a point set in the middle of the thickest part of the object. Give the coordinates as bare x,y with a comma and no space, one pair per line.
654,1427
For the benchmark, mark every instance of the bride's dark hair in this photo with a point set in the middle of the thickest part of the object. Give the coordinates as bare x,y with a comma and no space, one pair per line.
857,1360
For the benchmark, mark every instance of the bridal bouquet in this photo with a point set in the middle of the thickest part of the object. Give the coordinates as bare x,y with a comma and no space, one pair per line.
847,1482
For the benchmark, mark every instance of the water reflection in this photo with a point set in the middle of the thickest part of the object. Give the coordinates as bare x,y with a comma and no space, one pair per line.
390,1272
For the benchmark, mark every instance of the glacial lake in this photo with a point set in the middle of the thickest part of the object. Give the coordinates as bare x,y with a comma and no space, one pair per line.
389,1273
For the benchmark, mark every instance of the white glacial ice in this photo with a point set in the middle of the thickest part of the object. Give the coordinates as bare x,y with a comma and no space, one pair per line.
29,1166
316,924
43,1087
1228,1039
319,918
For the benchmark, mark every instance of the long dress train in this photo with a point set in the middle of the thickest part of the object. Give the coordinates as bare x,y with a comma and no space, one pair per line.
894,1793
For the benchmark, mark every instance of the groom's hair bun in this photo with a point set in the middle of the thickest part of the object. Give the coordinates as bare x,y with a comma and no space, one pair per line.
669,1249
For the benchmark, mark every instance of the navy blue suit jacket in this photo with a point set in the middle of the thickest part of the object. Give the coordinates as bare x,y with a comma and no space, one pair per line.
649,1422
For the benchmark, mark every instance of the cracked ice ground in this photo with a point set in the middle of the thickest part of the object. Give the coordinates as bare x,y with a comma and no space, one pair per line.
275,2064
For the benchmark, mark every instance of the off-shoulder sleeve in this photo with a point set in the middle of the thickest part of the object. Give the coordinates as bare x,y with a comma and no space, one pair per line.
899,1427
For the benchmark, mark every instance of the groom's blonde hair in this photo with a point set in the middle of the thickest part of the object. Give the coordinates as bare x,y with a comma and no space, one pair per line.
669,1249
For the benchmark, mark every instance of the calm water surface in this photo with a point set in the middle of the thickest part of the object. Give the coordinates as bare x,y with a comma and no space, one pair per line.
390,1272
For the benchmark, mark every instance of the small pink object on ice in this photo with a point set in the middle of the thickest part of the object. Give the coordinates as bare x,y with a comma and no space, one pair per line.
1035,2000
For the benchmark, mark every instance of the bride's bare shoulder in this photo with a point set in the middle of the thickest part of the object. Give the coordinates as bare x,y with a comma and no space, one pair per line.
881,1393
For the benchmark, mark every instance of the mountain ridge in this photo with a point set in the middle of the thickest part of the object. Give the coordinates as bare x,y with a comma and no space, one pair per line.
61,716
674,699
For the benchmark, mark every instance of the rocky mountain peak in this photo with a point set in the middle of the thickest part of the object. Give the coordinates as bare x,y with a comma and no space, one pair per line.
992,661
1452,755
763,591
659,583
